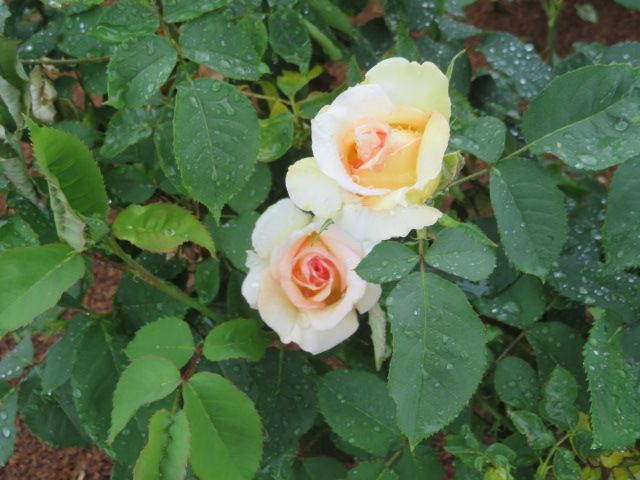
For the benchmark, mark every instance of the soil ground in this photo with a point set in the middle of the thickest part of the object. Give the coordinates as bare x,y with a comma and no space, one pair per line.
34,460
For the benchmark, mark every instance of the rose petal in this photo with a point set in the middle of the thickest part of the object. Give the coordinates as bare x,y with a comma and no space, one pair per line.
274,226
334,121
372,226
370,298
412,84
251,285
318,341
276,310
312,190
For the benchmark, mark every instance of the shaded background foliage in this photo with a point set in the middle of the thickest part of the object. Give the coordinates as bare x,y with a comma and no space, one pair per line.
556,285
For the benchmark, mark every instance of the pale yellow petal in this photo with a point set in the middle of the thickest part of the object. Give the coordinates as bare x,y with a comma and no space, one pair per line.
370,298
412,84
318,341
274,226
311,190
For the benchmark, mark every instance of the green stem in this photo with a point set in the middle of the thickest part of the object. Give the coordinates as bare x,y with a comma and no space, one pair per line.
389,463
160,284
541,473
65,61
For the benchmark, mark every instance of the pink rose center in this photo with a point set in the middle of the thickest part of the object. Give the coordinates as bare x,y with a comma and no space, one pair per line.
316,277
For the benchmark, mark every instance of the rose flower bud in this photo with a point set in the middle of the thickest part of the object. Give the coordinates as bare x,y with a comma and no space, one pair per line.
302,278
378,152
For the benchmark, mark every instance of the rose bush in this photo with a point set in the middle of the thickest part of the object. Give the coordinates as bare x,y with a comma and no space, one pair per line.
378,151
150,147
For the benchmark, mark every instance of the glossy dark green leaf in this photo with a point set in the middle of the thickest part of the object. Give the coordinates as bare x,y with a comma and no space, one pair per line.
255,191
484,137
460,254
622,224
518,60
531,426
372,469
233,237
126,20
422,462
564,465
519,305
289,38
217,43
216,140
558,397
208,279
611,361
598,128
388,261
137,70
358,407
286,398
127,128
8,409
532,219
183,10
516,383
15,232
13,363
439,353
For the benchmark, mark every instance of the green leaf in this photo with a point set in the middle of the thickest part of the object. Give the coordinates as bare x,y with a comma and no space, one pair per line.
234,237
516,383
289,38
138,303
13,364
137,70
75,41
622,223
255,191
126,20
286,398
611,361
8,409
331,14
460,254
358,407
598,128
388,261
530,425
168,337
517,60
208,279
558,397
531,215
252,26
129,183
183,10
226,438
439,353
12,98
216,140
126,128
33,279
372,469
520,305
276,136
145,380
564,466
160,227
15,232
50,415
484,137
554,344
16,172
69,166
422,462
320,468
239,338
378,324
214,41
57,369
10,68
291,83
166,453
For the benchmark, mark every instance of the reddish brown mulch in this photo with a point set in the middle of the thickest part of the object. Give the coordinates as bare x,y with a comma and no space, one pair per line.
527,20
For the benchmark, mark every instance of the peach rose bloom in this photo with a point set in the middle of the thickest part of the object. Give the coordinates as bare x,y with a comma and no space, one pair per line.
378,152
303,282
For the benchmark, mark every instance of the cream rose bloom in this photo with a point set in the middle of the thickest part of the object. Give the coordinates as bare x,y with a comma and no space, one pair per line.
378,151
303,283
